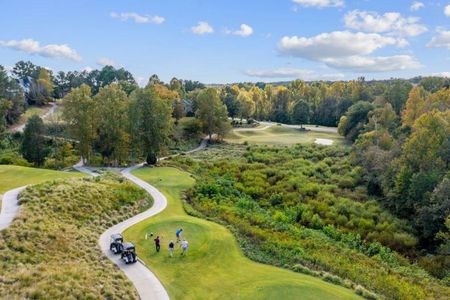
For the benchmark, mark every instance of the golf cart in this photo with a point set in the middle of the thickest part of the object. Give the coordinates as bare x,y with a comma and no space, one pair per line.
129,253
116,244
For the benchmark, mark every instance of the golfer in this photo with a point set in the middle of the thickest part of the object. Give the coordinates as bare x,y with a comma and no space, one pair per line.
171,248
184,247
157,244
178,234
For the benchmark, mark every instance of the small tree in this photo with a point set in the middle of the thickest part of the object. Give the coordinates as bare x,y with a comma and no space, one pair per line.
34,148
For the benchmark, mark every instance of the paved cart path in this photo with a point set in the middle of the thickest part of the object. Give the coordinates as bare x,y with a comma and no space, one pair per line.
145,281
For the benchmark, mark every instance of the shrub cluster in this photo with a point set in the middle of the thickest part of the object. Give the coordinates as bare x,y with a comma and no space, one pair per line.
305,205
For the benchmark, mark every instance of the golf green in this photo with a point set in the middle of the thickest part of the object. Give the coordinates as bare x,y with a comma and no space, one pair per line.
279,135
214,267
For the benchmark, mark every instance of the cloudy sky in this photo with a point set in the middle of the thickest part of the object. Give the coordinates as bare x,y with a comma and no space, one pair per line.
229,40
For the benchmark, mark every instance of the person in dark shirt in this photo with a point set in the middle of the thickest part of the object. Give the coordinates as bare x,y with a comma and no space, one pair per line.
171,248
157,244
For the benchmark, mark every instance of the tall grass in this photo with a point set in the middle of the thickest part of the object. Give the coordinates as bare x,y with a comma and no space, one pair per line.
51,250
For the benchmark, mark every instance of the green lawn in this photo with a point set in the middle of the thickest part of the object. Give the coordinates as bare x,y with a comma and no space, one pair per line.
14,176
278,135
215,267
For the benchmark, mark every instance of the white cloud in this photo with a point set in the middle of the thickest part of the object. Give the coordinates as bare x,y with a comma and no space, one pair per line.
88,69
334,44
292,73
416,5
104,61
374,64
34,47
202,28
141,81
447,10
348,50
320,3
390,22
141,19
244,31
440,41
441,74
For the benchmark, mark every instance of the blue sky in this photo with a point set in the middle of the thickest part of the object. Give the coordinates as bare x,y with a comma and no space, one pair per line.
224,41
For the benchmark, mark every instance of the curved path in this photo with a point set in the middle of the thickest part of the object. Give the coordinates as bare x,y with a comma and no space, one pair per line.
10,207
10,200
146,283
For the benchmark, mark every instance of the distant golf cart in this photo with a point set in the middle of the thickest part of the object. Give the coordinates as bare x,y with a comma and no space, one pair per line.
129,253
116,244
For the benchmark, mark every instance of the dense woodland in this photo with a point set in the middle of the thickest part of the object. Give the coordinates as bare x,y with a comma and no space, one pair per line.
385,198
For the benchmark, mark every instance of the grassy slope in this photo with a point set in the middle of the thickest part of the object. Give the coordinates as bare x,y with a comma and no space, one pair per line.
51,250
277,135
14,176
215,267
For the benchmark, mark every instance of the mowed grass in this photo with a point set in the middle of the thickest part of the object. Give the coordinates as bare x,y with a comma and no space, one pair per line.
215,267
12,177
279,135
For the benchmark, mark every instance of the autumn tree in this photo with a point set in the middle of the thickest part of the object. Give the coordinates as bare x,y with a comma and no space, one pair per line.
246,105
423,163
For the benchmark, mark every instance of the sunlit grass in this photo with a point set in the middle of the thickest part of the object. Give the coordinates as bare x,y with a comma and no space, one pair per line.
215,267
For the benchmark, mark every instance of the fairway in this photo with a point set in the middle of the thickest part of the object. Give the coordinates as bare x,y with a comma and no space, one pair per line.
14,176
215,267
279,135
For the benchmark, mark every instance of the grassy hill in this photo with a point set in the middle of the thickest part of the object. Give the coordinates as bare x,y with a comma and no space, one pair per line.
51,250
215,267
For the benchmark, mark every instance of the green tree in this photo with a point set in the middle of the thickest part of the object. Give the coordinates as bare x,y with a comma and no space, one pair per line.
112,114
352,124
34,148
280,105
80,115
211,112
24,69
301,112
229,95
12,93
150,123
178,110
397,93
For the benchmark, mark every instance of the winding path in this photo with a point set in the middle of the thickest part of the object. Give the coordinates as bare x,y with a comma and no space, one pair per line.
10,200
10,207
145,281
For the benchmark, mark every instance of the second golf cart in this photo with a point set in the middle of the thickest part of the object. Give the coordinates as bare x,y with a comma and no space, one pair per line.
129,253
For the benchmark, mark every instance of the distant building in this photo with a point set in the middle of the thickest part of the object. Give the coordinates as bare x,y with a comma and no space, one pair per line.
25,84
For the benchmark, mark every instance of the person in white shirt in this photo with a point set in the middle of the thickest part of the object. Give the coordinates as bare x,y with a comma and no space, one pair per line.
184,247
